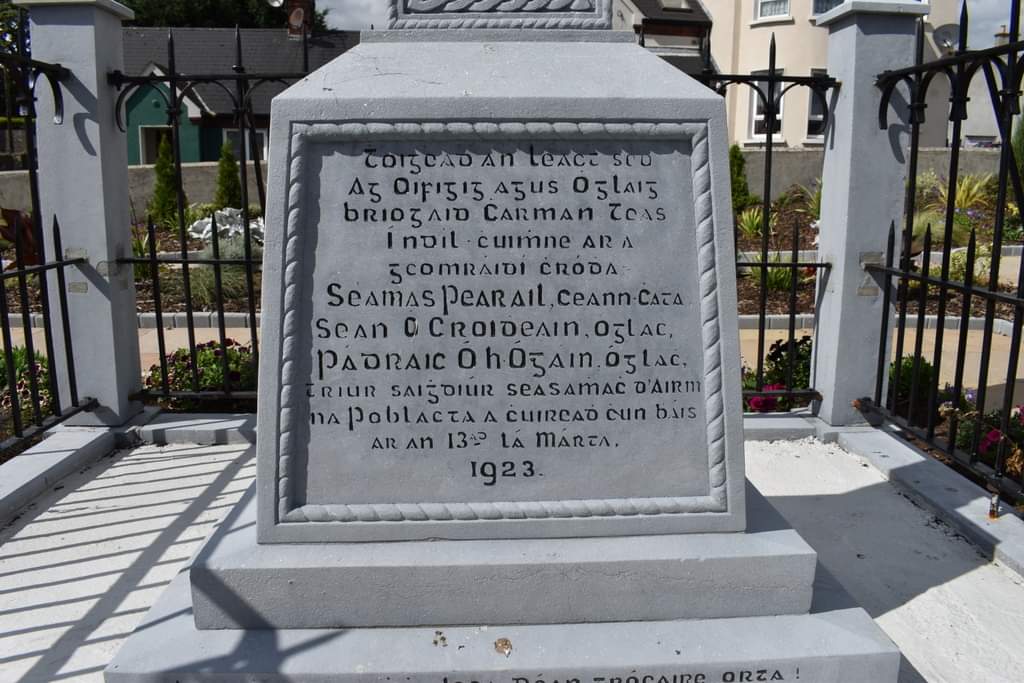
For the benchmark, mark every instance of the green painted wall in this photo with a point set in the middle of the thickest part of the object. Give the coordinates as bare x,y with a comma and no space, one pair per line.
147,108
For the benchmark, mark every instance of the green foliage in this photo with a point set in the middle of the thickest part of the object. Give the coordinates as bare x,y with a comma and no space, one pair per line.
163,206
811,200
233,284
989,429
10,22
973,193
776,364
198,211
790,200
23,372
776,376
229,186
750,222
210,369
924,375
140,249
937,221
741,196
214,13
958,266
778,278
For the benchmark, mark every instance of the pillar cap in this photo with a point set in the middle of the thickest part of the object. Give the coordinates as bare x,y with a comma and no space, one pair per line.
897,7
115,8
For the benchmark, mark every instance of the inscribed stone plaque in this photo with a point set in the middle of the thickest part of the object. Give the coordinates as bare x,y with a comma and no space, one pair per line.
497,331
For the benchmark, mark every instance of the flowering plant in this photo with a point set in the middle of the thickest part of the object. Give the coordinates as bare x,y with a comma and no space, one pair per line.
24,370
987,430
765,404
241,369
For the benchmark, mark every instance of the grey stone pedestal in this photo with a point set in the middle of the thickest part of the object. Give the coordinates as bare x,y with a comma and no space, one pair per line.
237,583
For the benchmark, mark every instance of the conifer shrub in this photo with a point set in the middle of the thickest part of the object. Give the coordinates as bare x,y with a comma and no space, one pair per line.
229,186
163,206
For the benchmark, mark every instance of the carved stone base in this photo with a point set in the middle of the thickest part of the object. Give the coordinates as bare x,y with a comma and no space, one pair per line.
237,583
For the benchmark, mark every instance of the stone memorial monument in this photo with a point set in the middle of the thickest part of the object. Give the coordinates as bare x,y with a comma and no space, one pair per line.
500,433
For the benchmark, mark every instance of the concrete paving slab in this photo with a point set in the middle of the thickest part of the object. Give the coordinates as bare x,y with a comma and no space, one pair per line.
80,568
955,615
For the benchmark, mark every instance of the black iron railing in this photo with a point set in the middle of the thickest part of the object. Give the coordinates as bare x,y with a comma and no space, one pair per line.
34,376
165,381
769,88
948,410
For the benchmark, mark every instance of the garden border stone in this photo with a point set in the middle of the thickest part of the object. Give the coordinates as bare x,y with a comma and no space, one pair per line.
954,499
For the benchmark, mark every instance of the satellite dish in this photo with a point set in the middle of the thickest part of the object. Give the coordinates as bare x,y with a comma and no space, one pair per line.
947,36
275,3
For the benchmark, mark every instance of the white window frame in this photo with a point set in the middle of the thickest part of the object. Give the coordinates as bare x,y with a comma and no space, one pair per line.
265,147
142,141
812,100
755,102
814,8
758,15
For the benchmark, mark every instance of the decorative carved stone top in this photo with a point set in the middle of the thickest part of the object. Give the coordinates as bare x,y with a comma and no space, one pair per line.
492,14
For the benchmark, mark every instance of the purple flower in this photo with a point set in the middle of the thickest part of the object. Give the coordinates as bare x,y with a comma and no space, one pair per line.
971,395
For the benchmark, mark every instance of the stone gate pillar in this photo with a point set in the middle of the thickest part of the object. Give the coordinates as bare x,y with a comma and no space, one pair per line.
83,167
863,181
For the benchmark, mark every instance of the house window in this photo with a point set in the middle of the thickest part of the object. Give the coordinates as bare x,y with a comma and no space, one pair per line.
822,6
758,113
234,136
817,112
149,142
772,8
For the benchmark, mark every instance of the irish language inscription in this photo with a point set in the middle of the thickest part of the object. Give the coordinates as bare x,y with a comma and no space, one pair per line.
501,320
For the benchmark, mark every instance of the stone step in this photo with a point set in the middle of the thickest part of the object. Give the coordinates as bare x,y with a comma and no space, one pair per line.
835,643
239,584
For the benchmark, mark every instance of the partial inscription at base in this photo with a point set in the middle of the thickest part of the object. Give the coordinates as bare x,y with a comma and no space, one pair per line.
498,330
555,14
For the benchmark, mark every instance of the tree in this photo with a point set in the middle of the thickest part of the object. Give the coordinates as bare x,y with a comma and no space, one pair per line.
10,24
214,13
741,197
163,207
229,187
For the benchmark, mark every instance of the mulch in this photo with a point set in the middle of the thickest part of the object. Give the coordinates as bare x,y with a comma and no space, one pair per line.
748,290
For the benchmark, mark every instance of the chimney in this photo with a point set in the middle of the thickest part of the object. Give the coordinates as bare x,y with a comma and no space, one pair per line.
300,18
1003,37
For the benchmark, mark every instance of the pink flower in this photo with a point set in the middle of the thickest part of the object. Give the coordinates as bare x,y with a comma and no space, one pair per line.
766,404
991,439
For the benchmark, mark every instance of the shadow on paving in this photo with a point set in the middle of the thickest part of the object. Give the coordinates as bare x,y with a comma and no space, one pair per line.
204,480
849,533
847,530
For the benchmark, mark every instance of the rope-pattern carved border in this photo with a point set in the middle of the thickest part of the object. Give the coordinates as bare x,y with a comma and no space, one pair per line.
469,14
697,134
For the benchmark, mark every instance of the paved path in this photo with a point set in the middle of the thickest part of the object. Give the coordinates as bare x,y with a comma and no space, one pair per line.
78,571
